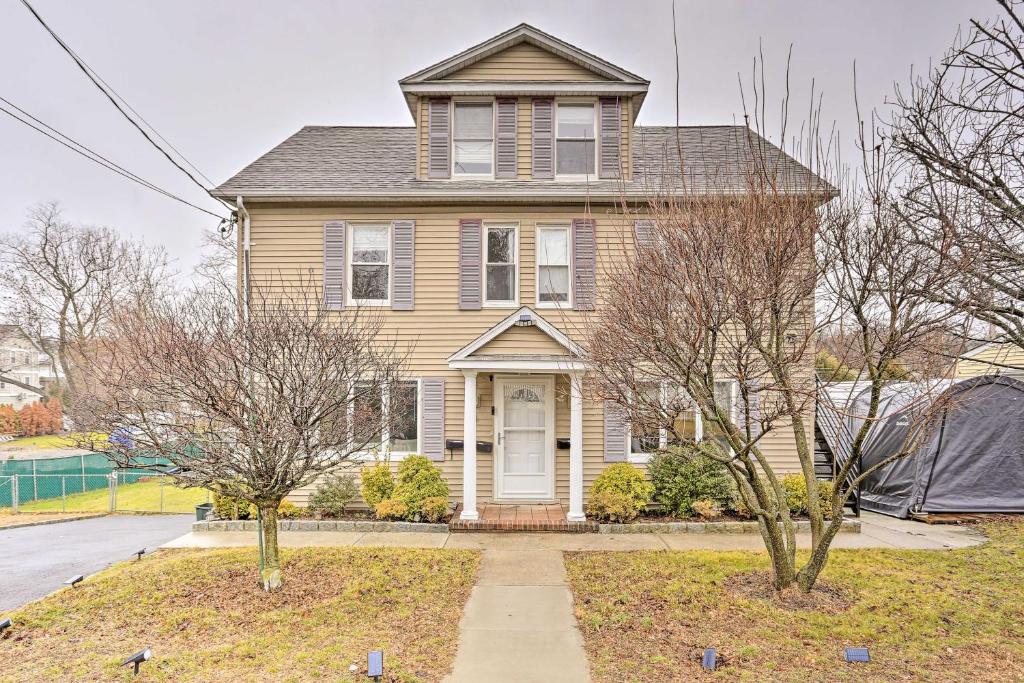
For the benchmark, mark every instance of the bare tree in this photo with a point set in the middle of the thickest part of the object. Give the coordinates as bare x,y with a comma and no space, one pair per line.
254,405
959,130
63,282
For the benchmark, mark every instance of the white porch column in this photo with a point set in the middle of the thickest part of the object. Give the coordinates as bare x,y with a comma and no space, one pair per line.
469,448
576,448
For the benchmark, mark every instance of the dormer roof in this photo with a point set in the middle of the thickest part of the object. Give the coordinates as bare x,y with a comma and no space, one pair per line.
593,77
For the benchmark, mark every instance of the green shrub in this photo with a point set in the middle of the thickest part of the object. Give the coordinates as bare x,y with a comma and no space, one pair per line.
289,510
230,507
613,506
707,509
795,487
627,480
377,483
390,508
418,479
684,474
434,509
333,496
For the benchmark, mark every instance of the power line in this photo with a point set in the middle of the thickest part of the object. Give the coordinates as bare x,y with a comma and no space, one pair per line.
89,154
96,80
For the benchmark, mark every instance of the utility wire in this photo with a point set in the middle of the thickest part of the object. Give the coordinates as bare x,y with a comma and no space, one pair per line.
89,154
96,80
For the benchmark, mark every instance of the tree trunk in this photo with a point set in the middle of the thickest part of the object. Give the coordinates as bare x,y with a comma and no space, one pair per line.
271,574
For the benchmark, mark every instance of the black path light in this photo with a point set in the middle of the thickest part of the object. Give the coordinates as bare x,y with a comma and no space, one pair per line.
139,553
74,580
138,658
6,624
375,665
710,659
857,654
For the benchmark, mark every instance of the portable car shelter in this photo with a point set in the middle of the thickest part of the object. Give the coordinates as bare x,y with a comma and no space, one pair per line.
972,456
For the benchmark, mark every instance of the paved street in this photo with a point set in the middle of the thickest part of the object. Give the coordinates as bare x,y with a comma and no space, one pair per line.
35,561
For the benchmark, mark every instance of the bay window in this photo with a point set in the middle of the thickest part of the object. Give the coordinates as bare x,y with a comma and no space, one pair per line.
473,138
575,140
553,278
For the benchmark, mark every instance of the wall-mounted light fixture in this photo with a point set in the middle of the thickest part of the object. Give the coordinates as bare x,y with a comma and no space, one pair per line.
525,320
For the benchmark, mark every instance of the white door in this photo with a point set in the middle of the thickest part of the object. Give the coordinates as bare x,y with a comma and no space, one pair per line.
524,425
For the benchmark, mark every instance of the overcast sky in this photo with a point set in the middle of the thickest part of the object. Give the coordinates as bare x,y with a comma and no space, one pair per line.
227,80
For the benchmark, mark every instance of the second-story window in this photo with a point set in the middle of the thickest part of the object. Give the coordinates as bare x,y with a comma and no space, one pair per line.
552,264
473,138
370,263
500,252
575,142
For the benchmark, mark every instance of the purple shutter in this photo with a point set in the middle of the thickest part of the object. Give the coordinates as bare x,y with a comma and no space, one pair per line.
754,396
403,250
615,436
543,137
334,265
432,419
610,116
470,263
439,134
584,262
643,232
505,138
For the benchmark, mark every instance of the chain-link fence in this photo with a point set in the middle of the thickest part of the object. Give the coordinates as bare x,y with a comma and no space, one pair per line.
89,483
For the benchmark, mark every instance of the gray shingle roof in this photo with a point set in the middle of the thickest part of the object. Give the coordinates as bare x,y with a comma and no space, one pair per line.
347,162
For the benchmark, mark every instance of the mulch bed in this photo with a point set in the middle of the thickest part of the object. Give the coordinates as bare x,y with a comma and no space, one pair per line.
824,597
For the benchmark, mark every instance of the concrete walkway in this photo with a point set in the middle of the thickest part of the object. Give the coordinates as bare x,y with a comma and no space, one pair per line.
519,624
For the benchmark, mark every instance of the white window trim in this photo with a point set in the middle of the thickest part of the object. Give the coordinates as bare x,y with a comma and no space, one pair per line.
386,453
349,244
568,304
514,302
577,177
455,175
644,458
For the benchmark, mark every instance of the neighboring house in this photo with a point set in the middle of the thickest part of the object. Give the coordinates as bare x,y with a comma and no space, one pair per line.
481,233
22,360
996,357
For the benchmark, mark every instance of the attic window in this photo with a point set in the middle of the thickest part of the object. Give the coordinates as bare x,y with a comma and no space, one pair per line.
473,138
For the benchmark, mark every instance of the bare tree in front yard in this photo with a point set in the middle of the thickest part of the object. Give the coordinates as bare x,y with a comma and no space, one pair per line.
62,282
253,403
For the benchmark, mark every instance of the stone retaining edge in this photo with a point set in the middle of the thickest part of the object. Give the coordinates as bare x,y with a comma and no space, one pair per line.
851,526
323,525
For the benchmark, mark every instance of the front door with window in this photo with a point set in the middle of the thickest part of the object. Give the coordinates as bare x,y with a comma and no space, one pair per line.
524,425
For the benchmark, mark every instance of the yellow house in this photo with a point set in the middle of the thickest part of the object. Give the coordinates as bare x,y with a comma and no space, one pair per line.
992,358
480,233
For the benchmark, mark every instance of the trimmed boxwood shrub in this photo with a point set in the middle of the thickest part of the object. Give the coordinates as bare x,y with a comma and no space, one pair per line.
418,480
334,495
795,487
377,483
684,474
619,492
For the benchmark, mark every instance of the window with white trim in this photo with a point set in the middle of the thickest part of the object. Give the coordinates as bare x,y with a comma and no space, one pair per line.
501,265
646,440
473,139
392,412
575,140
369,260
553,276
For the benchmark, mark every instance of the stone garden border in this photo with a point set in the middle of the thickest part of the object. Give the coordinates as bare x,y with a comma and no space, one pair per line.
849,526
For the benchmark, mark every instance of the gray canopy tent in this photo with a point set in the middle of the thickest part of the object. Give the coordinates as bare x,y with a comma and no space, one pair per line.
971,458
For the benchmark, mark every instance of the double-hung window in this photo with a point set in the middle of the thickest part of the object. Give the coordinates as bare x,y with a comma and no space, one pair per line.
675,408
553,277
369,264
575,140
473,139
386,418
501,253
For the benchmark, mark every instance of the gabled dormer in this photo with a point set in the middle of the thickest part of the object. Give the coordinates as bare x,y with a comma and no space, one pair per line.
524,105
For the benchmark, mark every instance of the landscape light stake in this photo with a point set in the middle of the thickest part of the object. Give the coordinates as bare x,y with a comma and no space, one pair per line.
710,660
74,580
139,554
857,654
5,624
137,659
375,665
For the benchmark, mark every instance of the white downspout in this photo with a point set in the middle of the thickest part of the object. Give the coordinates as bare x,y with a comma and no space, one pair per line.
245,250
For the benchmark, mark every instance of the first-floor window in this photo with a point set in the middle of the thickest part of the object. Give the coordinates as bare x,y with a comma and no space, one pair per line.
687,425
500,254
370,263
553,264
386,418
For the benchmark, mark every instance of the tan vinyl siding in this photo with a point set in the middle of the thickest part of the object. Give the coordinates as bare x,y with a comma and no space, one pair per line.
524,62
980,363
522,340
287,245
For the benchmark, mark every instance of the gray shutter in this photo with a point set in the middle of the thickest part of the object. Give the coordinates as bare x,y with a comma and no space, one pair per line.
643,232
543,137
334,265
584,262
403,250
610,117
615,441
432,418
505,139
754,391
470,260
439,134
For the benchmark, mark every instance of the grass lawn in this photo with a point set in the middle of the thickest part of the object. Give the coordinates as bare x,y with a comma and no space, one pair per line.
206,619
49,441
143,496
926,615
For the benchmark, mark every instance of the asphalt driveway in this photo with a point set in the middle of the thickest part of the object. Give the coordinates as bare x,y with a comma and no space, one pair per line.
37,560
